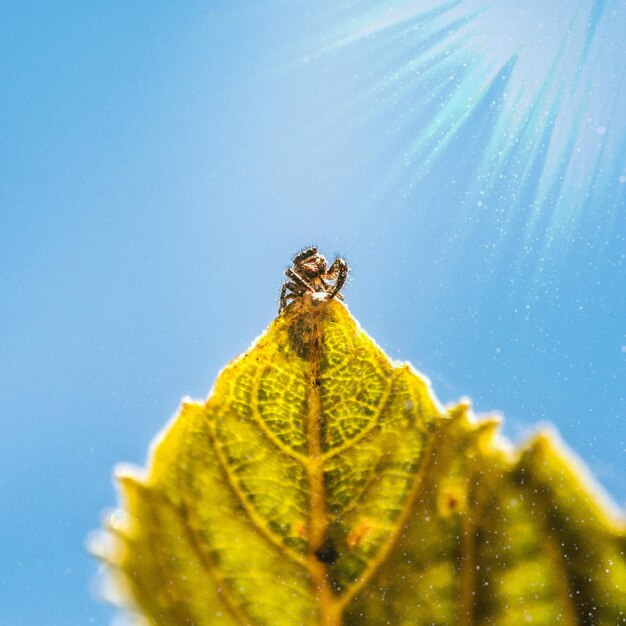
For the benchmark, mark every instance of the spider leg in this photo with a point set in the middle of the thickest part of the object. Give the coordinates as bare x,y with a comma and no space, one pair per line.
284,294
288,292
296,290
302,282
328,288
339,272
333,271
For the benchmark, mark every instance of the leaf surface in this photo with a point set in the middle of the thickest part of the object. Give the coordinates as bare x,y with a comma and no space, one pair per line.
323,484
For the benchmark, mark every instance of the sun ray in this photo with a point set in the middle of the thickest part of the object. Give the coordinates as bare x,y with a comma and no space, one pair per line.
529,97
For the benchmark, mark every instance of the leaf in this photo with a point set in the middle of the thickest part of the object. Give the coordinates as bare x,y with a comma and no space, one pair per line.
322,484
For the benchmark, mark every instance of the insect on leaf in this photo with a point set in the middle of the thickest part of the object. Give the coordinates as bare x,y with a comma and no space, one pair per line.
322,484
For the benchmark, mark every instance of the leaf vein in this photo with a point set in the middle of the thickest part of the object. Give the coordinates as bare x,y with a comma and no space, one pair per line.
265,429
259,524
374,420
385,550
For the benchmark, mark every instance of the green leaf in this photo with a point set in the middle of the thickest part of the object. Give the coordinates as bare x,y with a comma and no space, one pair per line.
322,484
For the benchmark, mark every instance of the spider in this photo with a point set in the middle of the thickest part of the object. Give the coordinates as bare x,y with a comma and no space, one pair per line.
309,274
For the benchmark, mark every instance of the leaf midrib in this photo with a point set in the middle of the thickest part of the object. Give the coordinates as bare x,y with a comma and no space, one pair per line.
328,607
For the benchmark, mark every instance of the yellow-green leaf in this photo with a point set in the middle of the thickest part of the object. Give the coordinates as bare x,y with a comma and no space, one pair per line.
322,484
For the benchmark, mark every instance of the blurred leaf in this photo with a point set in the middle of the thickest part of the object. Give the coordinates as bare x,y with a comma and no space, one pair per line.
322,484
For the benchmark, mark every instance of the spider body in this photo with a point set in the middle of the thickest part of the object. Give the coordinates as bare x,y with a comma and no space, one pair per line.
309,273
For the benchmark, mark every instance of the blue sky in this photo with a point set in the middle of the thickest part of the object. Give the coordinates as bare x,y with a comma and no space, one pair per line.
162,162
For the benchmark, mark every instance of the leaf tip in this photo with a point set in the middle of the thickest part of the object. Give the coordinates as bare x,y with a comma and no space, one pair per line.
124,473
546,450
461,410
